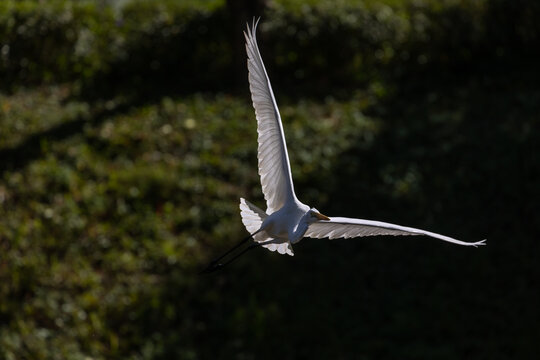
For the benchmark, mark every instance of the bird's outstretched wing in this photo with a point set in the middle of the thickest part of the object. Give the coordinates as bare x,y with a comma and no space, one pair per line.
274,167
342,227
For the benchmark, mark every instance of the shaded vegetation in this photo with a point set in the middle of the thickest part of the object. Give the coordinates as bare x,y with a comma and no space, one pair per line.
125,145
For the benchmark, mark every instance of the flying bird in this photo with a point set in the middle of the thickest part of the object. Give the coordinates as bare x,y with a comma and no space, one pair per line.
287,220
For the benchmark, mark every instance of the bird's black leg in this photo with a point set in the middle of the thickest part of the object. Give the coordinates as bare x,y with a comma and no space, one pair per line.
214,264
218,266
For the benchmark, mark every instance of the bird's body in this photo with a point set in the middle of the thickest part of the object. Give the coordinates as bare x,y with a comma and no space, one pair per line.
279,230
286,220
292,229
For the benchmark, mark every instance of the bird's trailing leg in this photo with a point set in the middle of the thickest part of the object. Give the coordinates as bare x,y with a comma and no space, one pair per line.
215,265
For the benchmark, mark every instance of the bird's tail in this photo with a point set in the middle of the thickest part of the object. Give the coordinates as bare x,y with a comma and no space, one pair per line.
252,218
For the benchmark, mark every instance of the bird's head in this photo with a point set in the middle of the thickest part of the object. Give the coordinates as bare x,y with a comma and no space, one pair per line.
314,215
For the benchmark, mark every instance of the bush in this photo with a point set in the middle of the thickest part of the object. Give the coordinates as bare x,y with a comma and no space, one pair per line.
144,48
53,42
107,51
109,209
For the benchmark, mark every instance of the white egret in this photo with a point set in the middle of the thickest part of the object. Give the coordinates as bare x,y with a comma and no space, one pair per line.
287,220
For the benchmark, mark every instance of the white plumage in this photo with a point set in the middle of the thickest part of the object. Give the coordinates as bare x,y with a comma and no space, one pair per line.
274,168
287,220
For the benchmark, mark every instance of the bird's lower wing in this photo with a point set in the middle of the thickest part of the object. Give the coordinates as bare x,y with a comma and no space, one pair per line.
252,218
342,227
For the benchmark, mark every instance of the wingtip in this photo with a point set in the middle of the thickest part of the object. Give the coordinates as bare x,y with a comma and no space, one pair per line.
249,34
479,243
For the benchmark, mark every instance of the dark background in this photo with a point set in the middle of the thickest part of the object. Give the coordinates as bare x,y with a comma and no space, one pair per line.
127,137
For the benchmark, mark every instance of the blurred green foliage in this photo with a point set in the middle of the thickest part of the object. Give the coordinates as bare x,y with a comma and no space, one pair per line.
177,46
124,147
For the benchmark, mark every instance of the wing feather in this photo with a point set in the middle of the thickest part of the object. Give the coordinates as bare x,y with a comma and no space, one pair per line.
274,167
342,227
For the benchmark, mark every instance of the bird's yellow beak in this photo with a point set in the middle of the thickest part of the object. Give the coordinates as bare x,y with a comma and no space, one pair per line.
321,216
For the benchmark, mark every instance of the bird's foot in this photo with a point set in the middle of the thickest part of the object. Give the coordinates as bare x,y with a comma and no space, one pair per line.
213,266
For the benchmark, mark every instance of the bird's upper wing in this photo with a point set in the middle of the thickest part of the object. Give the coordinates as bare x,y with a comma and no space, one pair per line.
342,227
274,167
